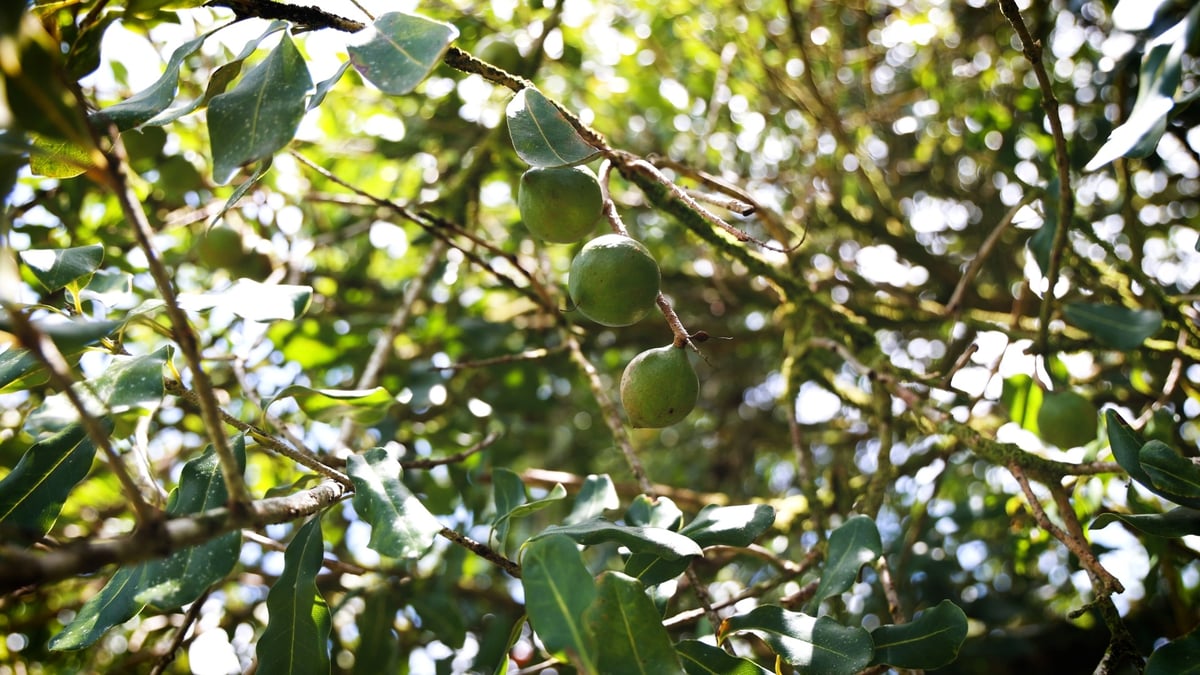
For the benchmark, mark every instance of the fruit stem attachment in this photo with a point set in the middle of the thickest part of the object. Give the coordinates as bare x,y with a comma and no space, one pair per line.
682,337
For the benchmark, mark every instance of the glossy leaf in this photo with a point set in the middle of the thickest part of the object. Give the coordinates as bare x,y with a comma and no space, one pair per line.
1178,522
729,525
541,134
132,381
511,501
931,640
1126,446
1114,326
558,590
295,641
662,543
651,569
252,301
596,495
1171,475
659,512
324,86
1180,656
401,51
33,493
854,544
259,116
813,645
55,268
184,575
401,526
701,658
628,629
141,107
69,335
363,406
114,604
16,363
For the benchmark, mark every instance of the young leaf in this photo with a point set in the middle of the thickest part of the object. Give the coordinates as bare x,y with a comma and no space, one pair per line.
144,105
931,640
701,658
55,268
1114,326
114,604
184,575
655,540
1172,475
1178,657
541,134
558,590
260,115
33,493
402,50
1178,522
295,641
363,406
815,645
729,525
629,629
401,526
596,496
854,544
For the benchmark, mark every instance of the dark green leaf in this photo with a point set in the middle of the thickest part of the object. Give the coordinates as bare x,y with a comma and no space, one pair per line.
114,604
596,496
84,56
324,86
401,50
132,381
363,406
55,268
184,575
1171,475
260,115
659,512
814,645
654,540
144,105
541,134
508,492
700,658
15,363
1178,657
1125,446
33,493
295,641
558,590
651,569
729,525
1178,522
628,629
401,526
854,544
931,640
1042,241
1114,326
69,335
243,188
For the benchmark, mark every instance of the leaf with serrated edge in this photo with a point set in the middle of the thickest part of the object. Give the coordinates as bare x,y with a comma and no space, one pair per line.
700,658
625,622
295,641
851,546
931,640
558,589
33,493
259,116
401,526
401,51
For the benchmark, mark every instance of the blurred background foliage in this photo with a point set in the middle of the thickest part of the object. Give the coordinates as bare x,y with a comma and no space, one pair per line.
884,142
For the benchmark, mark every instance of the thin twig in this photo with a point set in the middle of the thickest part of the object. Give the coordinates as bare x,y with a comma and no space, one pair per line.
450,459
952,307
181,632
482,550
1066,197
528,355
890,591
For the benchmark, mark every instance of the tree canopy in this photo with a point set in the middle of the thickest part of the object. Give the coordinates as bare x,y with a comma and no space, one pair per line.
305,366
